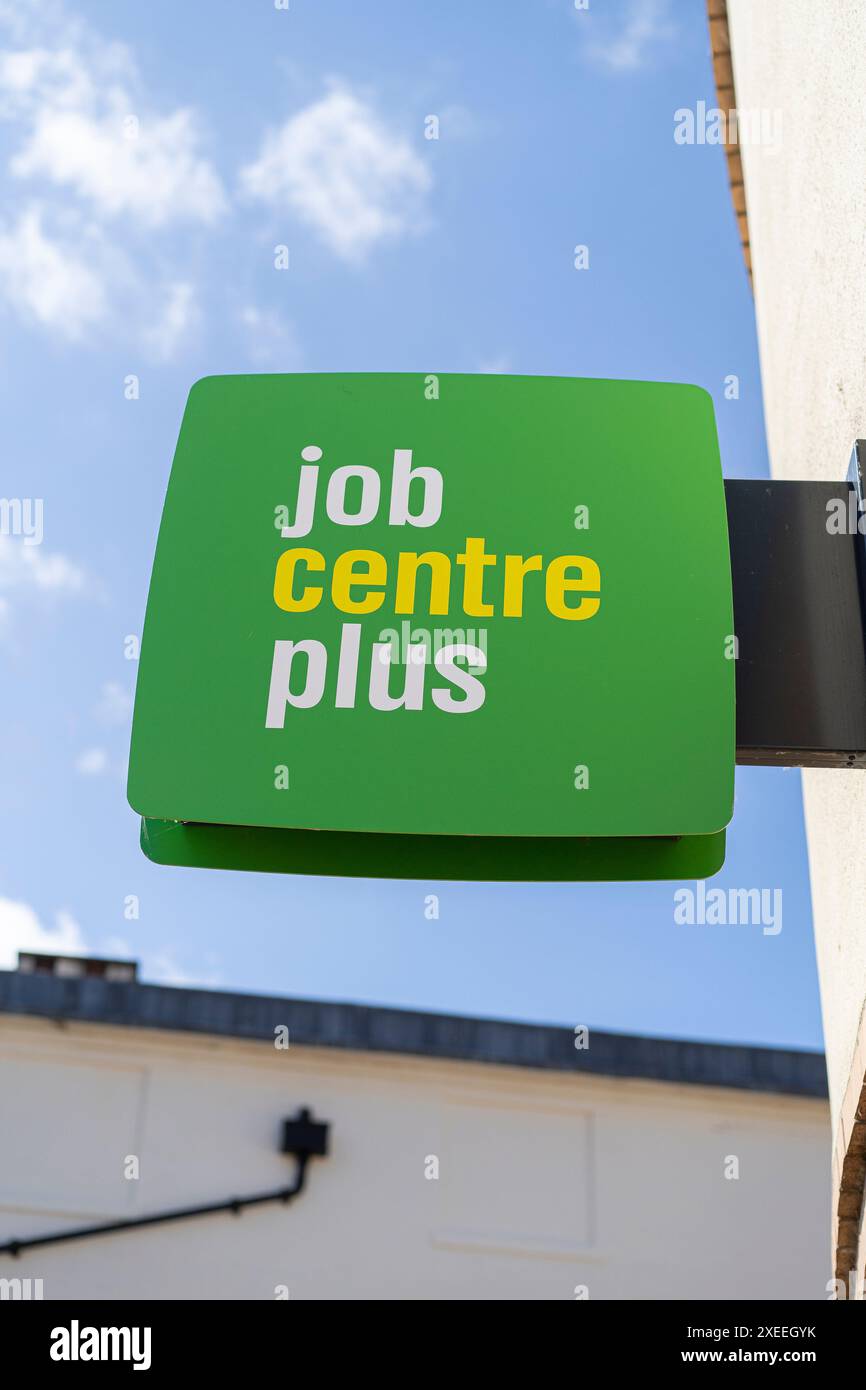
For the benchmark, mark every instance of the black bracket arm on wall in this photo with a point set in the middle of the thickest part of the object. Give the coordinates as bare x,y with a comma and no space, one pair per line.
798,564
302,1136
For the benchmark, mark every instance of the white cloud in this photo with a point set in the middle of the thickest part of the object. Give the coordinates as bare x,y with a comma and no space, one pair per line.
628,48
92,762
74,279
343,172
49,282
31,567
154,175
115,704
31,571
34,77
270,341
94,149
117,946
21,930
162,967
87,125
177,318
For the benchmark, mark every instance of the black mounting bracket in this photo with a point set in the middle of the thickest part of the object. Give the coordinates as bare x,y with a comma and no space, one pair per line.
303,1137
798,565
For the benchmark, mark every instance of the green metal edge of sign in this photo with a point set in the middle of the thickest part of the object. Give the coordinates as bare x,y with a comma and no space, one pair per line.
454,857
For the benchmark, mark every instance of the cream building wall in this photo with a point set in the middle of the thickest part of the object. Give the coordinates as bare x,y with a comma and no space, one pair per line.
806,204
548,1180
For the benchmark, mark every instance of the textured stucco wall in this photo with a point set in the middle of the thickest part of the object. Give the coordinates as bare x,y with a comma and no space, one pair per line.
806,203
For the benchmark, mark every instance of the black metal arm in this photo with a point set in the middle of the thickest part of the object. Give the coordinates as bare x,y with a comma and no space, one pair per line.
303,1137
797,564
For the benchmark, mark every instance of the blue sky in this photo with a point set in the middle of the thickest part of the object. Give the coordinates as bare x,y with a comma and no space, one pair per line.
151,159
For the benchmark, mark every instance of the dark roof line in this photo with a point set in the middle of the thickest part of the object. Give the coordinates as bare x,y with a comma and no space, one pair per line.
362,1028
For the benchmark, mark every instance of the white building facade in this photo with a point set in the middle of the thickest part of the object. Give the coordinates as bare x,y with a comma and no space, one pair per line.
468,1159
801,66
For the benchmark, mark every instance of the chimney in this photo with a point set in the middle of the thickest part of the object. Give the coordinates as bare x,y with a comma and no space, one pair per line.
77,967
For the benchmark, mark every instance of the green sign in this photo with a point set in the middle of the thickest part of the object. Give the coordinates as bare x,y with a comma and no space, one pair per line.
465,626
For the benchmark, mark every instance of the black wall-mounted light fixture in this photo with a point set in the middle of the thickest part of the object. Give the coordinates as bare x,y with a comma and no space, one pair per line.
302,1136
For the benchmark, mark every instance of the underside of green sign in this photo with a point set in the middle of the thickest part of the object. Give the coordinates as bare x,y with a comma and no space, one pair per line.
513,859
467,627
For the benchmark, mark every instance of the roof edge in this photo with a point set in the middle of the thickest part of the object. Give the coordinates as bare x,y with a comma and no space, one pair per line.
364,1028
726,94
